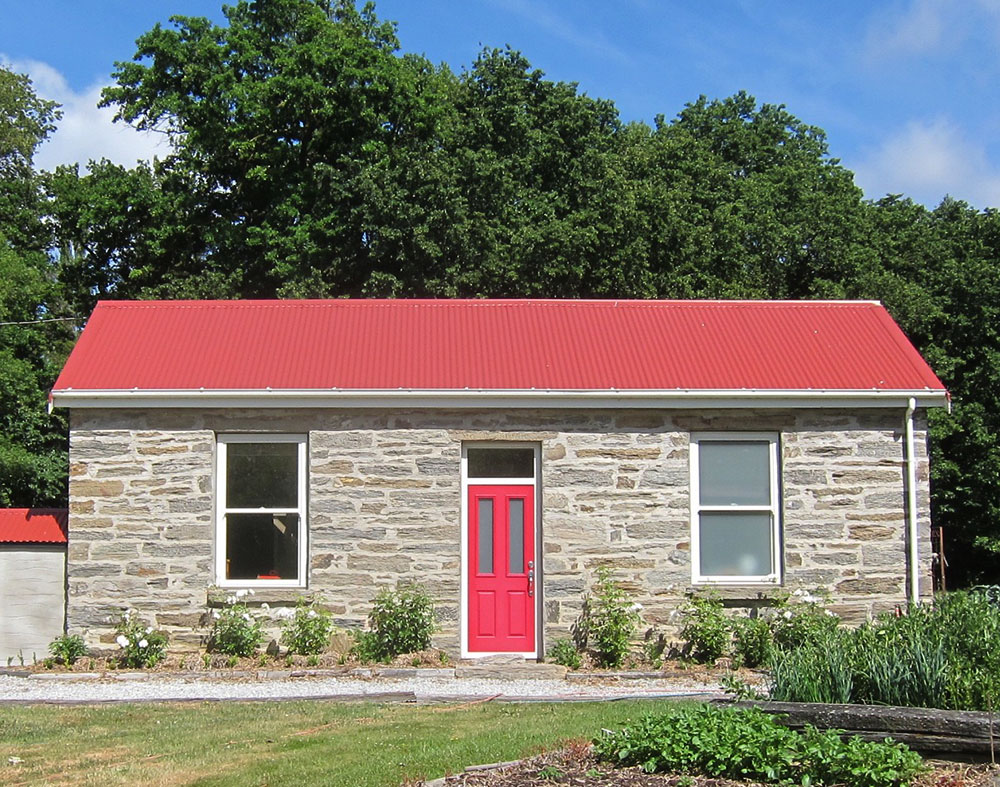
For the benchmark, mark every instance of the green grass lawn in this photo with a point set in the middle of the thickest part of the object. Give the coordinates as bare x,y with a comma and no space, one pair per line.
282,743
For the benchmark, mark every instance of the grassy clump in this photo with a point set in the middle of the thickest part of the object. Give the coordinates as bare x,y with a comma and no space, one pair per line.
941,656
749,744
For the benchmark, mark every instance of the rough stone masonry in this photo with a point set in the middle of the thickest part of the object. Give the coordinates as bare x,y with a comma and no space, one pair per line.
384,505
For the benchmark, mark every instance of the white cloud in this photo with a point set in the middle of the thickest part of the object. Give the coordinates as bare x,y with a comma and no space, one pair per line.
85,132
924,27
927,160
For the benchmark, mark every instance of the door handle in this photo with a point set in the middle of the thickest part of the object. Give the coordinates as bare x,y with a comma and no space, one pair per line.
531,581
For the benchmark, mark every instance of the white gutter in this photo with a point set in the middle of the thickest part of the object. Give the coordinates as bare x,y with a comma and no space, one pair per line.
911,506
469,398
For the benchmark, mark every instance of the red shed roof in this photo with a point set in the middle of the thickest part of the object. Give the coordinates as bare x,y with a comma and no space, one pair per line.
340,346
33,525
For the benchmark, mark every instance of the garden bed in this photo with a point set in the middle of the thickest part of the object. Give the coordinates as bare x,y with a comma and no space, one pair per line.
576,765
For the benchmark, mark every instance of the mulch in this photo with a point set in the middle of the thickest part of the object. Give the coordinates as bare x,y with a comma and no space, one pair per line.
576,766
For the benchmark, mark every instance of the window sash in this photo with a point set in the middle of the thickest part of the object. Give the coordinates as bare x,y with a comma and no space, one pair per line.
223,512
773,575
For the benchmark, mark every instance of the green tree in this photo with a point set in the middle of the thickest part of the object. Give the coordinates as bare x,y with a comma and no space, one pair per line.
32,443
311,158
276,121
745,201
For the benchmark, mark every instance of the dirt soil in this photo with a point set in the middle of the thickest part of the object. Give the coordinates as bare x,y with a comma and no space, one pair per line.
343,661
576,766
195,662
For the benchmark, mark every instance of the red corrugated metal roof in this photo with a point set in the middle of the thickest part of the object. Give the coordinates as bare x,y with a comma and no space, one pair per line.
494,345
33,525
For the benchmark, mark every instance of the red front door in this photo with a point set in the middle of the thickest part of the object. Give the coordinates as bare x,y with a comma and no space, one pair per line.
502,569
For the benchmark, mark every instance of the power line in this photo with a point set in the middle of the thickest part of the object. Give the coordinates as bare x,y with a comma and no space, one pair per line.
36,322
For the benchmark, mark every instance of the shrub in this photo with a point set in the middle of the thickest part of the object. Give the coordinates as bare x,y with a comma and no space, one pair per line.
141,645
610,620
401,621
308,630
67,649
706,629
235,631
753,642
749,744
564,652
802,622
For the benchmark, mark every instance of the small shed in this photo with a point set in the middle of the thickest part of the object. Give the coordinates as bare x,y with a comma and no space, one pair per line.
32,582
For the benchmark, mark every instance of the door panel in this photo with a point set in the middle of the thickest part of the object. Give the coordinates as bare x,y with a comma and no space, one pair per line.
502,569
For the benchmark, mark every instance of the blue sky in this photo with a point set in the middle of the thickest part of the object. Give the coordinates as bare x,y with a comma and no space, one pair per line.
906,90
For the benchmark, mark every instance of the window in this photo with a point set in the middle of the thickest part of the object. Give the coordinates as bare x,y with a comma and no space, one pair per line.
734,508
260,532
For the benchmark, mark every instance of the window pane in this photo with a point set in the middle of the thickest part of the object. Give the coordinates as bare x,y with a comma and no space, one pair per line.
262,546
485,536
736,545
736,472
262,475
515,527
501,462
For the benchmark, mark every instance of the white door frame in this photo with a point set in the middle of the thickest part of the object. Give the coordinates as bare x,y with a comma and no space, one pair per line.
535,483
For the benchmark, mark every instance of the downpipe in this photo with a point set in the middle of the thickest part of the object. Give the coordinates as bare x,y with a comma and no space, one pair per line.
911,506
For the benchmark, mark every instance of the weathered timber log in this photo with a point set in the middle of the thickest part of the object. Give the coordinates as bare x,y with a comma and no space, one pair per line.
928,730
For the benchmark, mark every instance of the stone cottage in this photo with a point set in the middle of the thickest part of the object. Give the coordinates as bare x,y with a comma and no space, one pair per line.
497,451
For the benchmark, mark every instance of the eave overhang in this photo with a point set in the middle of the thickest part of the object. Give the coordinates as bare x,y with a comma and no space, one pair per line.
479,399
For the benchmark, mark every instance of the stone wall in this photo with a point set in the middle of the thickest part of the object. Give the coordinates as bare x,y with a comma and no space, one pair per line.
385,504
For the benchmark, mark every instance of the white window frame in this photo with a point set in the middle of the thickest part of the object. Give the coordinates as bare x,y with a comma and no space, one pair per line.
222,442
774,509
535,482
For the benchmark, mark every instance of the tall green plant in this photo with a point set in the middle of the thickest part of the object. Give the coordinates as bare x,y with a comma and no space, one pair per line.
610,619
817,672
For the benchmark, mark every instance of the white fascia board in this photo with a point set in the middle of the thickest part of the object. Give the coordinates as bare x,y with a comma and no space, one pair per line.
467,398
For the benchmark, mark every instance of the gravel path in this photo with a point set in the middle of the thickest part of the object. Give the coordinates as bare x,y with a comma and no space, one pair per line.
419,689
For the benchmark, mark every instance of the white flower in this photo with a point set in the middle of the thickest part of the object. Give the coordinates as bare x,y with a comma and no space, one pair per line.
828,612
797,593
283,613
251,592
149,629
265,605
788,614
246,617
230,599
311,614
240,593
215,614
143,643
122,641
637,607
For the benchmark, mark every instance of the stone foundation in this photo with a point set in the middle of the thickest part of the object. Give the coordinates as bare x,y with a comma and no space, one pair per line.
385,505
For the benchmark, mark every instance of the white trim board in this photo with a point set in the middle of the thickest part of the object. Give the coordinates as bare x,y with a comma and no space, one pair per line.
468,398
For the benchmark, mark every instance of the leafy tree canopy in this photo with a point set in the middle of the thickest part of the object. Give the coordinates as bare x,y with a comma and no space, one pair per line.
311,158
